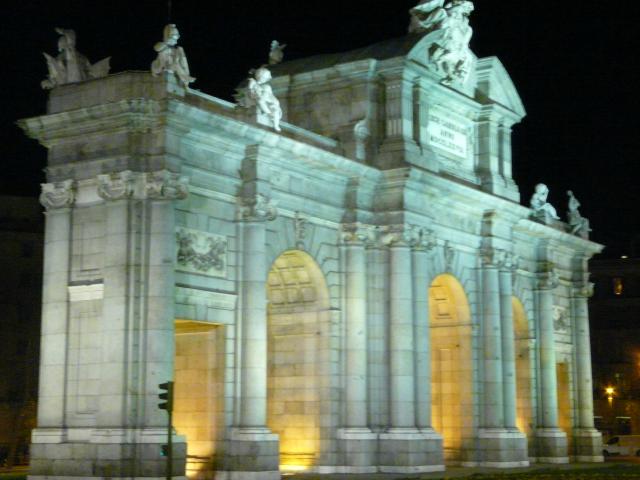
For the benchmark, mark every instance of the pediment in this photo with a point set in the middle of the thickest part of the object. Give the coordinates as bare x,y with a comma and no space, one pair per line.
496,84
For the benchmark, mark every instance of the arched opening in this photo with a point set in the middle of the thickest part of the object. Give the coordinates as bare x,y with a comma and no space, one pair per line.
524,407
298,358
451,365
198,411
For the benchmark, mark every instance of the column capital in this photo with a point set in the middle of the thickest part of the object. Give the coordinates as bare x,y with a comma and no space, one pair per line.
400,236
583,290
359,234
547,280
58,195
257,208
165,185
116,186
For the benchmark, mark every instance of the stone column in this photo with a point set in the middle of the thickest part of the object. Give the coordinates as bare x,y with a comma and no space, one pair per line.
116,327
403,447
501,446
58,200
492,347
588,439
551,440
515,441
422,336
356,440
508,346
253,451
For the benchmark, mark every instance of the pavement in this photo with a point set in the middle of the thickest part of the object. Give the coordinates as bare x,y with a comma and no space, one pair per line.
462,472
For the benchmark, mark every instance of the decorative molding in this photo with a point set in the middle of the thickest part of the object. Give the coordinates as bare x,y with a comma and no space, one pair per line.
206,298
58,195
165,185
83,293
258,208
300,224
560,321
201,252
449,253
116,186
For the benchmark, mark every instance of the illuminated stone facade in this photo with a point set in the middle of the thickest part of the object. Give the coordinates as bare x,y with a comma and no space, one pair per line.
361,292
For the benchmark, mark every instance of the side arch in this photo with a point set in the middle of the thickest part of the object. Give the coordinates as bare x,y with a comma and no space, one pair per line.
452,366
299,359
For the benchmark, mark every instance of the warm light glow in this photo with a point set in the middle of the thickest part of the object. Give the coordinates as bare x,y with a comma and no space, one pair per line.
624,257
293,468
618,286
610,391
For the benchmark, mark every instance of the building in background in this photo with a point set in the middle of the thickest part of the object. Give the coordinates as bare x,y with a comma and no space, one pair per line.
21,247
615,339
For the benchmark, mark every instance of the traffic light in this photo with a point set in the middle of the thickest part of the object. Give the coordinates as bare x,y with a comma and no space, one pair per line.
166,395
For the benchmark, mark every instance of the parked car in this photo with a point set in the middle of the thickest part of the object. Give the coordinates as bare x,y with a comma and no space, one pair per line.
624,445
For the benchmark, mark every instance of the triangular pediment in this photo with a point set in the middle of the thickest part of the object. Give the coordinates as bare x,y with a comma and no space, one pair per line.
496,84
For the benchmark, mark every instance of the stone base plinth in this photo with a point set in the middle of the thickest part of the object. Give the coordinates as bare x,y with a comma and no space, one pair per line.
503,448
117,453
358,448
250,454
551,446
410,451
588,445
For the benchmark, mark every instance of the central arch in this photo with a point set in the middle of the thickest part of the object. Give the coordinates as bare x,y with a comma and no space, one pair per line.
298,357
451,365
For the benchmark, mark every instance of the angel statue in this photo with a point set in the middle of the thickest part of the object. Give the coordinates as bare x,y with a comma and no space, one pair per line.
578,225
259,94
450,54
171,58
542,209
70,66
277,52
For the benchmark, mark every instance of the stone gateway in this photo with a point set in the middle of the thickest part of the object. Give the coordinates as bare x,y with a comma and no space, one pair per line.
359,292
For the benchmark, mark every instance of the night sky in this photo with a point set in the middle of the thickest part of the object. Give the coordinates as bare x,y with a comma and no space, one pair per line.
575,65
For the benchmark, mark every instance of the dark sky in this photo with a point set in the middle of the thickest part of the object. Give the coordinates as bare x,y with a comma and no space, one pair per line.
575,65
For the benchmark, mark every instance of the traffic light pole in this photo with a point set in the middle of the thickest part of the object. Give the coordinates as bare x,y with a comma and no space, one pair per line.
166,396
170,442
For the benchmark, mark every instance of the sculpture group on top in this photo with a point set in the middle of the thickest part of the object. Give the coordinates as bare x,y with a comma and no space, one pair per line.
257,93
450,54
171,58
70,66
547,214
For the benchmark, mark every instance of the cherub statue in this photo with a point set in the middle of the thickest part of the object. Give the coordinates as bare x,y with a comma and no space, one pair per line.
277,52
258,93
70,66
171,58
543,210
578,225
450,52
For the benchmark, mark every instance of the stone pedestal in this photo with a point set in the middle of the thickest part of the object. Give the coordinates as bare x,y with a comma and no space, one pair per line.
551,446
410,451
588,445
358,448
102,454
503,448
250,454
